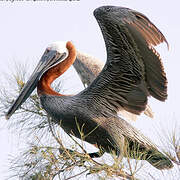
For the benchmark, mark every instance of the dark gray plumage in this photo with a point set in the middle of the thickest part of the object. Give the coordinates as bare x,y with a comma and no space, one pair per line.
124,81
133,71
88,68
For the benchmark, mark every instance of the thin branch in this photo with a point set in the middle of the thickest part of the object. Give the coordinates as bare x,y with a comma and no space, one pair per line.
77,174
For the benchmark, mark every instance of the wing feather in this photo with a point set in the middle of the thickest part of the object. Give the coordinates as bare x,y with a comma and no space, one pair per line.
154,71
133,70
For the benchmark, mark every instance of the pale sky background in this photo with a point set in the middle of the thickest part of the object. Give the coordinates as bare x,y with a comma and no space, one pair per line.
26,28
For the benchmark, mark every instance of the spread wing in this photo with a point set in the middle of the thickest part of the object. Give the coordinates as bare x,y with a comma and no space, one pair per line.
133,70
88,68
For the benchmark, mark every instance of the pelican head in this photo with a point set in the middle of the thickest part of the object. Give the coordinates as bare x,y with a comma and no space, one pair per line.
53,55
59,46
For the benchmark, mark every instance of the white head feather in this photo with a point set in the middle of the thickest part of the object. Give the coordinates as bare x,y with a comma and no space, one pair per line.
59,46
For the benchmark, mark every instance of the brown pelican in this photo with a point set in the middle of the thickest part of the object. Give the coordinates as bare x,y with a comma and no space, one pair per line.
133,71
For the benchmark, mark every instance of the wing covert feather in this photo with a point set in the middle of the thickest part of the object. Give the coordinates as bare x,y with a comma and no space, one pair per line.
133,70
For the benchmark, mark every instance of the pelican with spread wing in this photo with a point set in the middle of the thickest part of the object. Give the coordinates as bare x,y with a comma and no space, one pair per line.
133,71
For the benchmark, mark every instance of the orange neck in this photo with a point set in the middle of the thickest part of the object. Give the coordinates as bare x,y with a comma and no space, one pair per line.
44,84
